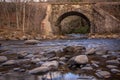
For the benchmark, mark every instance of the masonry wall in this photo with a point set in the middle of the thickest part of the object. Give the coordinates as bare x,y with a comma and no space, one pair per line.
106,21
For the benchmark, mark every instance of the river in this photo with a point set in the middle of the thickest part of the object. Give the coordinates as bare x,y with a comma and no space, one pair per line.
50,45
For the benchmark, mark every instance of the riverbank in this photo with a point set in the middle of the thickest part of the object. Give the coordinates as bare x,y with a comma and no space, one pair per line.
17,34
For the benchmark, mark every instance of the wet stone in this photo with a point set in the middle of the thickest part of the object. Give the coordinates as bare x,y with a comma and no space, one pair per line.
51,65
22,54
112,62
54,58
50,54
118,59
101,52
95,63
16,69
3,50
31,42
29,56
77,50
10,62
90,51
87,68
1,74
81,59
39,70
23,61
105,56
62,63
22,70
115,71
3,59
62,58
111,66
36,60
40,63
26,65
103,74
88,65
44,59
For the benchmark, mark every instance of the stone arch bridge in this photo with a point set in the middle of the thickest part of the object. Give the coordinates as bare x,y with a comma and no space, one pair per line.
99,20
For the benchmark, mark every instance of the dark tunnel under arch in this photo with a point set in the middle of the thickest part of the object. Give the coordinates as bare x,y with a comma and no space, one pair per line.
72,13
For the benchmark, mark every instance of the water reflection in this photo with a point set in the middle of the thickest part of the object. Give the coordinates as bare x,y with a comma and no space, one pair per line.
48,76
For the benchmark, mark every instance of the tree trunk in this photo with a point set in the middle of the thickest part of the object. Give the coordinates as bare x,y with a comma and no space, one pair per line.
23,28
17,16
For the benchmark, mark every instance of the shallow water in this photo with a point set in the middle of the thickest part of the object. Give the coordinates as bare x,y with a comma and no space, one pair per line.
48,76
109,44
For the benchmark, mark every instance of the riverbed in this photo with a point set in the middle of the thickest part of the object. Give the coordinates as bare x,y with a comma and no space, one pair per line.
10,48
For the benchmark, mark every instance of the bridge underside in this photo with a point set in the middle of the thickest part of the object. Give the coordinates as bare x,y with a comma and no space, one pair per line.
71,13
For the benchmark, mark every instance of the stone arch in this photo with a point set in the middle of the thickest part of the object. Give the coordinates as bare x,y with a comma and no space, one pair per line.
71,13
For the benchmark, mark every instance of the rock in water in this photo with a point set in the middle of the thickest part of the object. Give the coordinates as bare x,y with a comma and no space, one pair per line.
115,71
3,59
101,52
111,66
103,74
51,65
31,42
22,54
10,62
81,59
39,70
50,54
74,49
87,68
90,51
113,62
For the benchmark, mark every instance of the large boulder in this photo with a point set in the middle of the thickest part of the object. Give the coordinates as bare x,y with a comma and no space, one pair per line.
81,59
39,70
3,59
31,42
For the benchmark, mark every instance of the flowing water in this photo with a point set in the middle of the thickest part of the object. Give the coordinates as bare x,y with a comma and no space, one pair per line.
50,45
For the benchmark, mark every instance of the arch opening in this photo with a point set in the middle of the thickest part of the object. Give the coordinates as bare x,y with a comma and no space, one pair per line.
79,23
